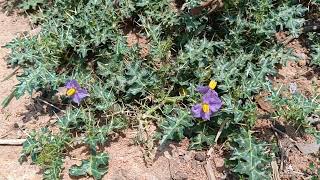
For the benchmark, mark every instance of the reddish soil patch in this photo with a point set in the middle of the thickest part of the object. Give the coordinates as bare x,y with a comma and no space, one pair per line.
142,43
292,163
10,27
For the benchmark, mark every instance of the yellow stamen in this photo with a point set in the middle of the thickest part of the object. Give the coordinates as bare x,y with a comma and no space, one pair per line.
205,107
71,92
212,84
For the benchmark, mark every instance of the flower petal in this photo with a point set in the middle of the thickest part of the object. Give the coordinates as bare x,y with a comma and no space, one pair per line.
206,116
293,88
72,84
214,107
203,89
76,99
210,97
196,110
82,93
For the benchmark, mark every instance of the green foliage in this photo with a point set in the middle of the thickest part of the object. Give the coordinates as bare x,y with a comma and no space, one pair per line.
98,135
316,54
96,166
315,171
100,43
204,136
250,157
315,48
46,151
27,5
296,108
32,4
174,125
315,1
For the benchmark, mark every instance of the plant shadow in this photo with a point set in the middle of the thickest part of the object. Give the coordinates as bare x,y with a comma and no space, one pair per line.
42,106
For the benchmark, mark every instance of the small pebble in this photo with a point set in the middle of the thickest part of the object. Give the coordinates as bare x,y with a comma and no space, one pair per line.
188,156
302,63
16,125
219,162
200,156
180,176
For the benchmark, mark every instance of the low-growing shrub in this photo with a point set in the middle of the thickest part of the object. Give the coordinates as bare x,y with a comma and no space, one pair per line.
295,109
249,157
140,60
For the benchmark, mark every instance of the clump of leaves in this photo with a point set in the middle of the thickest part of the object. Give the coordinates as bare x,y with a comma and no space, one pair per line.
249,157
315,48
296,108
33,4
96,166
46,150
173,126
315,171
27,5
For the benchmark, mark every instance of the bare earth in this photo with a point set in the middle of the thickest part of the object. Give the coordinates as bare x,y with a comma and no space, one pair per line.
9,165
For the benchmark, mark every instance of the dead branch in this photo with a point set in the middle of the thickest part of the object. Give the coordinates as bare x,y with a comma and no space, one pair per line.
209,171
12,142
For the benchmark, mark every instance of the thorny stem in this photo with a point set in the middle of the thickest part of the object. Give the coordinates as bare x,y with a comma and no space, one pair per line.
47,103
221,129
166,100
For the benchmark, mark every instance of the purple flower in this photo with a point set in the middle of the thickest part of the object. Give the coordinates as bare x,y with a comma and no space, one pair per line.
204,89
211,103
75,91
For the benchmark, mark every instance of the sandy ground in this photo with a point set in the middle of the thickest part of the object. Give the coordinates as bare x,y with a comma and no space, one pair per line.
10,168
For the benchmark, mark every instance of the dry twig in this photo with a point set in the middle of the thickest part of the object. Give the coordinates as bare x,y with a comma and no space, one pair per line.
220,131
12,142
282,151
208,167
209,171
275,170
49,104
283,134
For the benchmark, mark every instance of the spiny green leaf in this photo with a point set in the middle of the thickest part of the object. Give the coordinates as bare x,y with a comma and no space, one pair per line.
202,140
174,125
96,166
68,119
99,135
251,157
104,98
315,48
8,99
30,4
53,172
